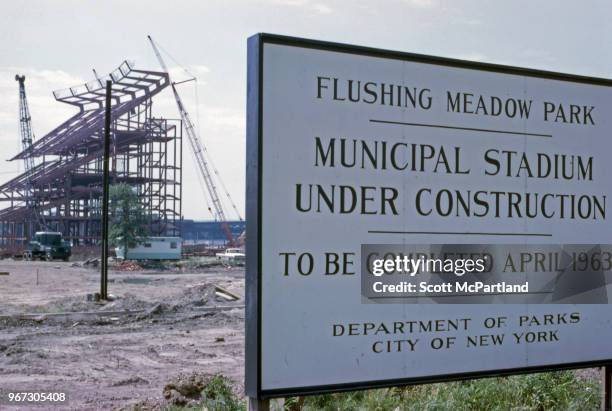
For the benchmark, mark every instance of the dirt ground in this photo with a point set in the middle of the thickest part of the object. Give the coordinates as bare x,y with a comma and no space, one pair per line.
116,361
169,336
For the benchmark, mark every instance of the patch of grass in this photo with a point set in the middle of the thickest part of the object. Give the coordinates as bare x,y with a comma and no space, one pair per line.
198,262
38,309
533,392
219,396
546,391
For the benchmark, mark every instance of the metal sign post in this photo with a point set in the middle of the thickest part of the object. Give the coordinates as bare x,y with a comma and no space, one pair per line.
606,385
104,262
258,405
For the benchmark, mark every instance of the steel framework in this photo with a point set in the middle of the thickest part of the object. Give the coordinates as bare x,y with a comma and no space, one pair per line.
66,183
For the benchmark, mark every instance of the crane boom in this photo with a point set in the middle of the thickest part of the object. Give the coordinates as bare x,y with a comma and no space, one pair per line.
25,123
199,153
27,138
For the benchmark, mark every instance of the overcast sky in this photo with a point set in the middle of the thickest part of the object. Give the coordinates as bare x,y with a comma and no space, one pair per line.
57,43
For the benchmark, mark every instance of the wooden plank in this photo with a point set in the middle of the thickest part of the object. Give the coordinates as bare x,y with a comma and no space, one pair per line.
221,290
219,308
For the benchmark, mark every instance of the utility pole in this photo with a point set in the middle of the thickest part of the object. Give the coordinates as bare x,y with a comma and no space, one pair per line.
105,187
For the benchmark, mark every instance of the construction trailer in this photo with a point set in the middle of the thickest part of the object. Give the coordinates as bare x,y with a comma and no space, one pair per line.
152,248
62,189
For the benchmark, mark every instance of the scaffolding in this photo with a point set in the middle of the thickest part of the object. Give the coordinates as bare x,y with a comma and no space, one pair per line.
65,184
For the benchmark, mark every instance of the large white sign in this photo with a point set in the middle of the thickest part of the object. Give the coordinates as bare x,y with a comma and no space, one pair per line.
350,146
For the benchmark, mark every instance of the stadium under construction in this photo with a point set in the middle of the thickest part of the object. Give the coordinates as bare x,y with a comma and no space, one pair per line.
61,188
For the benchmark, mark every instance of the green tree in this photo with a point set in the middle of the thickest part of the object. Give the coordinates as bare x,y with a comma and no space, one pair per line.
127,222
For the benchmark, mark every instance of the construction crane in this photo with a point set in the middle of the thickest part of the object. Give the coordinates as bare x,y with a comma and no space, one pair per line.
199,152
25,125
27,138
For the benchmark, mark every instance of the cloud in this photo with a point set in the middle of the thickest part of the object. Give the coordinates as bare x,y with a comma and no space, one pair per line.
422,4
36,79
322,8
214,120
221,119
316,7
198,71
45,111
470,21
290,3
472,56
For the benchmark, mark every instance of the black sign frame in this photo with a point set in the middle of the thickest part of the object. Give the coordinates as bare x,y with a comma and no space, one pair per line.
254,151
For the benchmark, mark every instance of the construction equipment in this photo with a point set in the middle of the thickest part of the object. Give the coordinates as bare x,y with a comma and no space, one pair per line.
47,245
27,139
25,122
200,154
66,178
